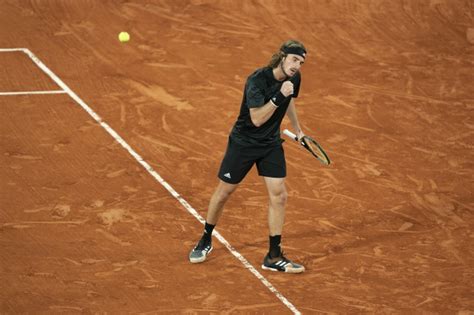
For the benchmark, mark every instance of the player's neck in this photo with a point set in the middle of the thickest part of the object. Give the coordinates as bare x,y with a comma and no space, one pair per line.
278,74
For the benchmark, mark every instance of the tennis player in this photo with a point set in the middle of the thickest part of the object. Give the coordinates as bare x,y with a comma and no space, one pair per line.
255,139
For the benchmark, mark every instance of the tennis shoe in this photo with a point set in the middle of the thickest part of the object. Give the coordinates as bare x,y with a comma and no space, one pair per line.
282,264
200,252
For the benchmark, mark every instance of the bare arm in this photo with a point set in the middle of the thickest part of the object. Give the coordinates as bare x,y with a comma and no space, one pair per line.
261,114
291,113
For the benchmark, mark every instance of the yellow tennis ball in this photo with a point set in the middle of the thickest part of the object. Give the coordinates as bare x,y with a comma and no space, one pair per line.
124,37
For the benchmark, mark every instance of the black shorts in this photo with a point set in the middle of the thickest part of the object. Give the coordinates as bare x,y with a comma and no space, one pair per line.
239,159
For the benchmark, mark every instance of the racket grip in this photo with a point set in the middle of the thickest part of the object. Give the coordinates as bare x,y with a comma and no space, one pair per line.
290,134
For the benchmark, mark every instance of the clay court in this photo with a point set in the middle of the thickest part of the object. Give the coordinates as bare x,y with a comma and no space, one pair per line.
88,226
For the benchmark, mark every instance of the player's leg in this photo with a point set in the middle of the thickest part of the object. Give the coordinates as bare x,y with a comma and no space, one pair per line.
216,205
273,168
277,196
276,207
275,260
234,167
218,200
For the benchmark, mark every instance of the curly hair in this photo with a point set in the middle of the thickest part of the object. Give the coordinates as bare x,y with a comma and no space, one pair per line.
278,56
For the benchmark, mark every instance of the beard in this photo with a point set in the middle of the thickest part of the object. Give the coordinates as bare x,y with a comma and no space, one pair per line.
290,72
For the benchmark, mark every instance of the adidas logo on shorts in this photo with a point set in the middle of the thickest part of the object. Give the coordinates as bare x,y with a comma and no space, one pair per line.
227,175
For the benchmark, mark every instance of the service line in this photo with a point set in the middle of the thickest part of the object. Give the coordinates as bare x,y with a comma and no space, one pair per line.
32,92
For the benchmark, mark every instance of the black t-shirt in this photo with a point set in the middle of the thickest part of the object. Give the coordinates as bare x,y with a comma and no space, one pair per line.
259,88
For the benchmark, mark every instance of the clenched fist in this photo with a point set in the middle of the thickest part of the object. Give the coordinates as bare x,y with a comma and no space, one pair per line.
287,88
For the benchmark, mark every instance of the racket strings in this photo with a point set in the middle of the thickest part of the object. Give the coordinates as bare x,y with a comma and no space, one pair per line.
316,150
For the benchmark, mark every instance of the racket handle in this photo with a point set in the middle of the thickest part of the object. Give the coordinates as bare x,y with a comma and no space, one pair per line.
290,134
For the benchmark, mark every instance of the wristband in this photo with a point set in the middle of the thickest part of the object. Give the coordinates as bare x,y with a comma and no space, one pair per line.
278,99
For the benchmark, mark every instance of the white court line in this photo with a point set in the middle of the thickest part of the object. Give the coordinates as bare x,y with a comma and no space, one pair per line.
153,173
32,92
12,49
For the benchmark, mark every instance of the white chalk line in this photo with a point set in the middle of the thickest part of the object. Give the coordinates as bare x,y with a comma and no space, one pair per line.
12,49
32,92
153,173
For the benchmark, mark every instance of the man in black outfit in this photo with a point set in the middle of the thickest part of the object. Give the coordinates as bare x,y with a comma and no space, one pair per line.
255,139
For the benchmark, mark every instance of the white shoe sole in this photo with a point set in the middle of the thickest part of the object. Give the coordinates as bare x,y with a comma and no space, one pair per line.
289,270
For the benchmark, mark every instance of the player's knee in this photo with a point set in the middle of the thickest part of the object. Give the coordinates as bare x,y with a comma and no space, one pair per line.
223,193
223,196
279,197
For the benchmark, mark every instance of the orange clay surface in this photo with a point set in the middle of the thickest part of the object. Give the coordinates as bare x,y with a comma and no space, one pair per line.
387,89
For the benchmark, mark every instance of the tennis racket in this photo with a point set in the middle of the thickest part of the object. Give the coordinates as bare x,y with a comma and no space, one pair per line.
312,146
